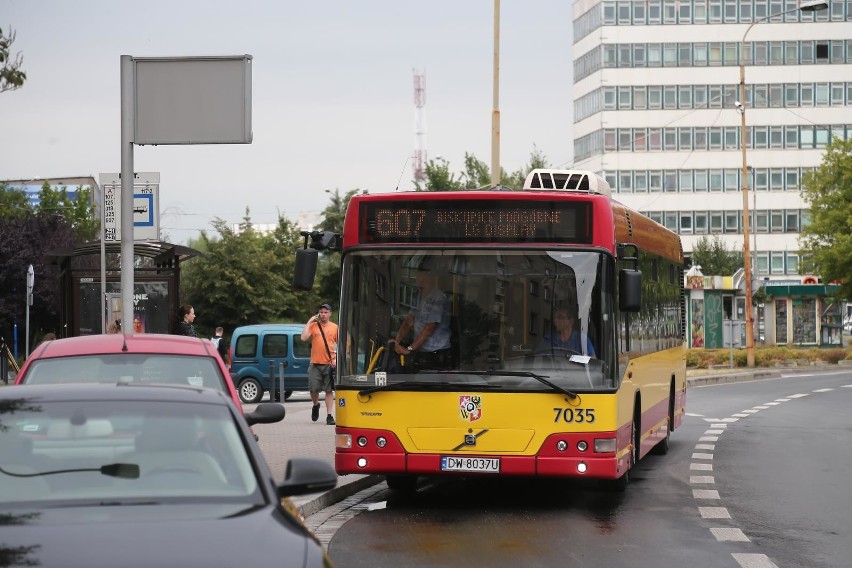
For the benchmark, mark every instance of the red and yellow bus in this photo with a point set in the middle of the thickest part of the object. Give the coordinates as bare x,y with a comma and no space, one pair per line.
501,390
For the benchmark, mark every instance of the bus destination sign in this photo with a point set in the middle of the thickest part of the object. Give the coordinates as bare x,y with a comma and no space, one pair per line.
483,221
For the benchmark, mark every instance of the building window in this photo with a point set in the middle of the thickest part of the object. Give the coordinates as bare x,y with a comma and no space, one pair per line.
640,182
776,221
655,181
685,181
686,222
732,222
777,260
716,222
791,183
716,177
671,221
792,263
761,221
700,222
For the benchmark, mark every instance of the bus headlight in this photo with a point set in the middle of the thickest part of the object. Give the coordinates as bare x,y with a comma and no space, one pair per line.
381,442
362,441
604,445
581,467
362,462
582,445
561,445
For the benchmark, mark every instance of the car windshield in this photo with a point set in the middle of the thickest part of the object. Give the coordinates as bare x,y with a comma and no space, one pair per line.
130,368
478,319
116,452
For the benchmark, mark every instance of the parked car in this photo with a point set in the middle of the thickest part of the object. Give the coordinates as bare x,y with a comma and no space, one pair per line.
140,358
104,475
257,349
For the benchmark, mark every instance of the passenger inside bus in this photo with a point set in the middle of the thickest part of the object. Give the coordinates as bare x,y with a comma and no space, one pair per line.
565,336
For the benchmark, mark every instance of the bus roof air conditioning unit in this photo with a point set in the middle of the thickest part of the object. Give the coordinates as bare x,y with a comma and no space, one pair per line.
567,180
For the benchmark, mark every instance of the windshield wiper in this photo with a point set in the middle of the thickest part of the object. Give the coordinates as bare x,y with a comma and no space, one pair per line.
123,470
493,372
427,385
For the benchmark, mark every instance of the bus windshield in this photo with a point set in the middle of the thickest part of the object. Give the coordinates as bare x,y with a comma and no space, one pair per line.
519,320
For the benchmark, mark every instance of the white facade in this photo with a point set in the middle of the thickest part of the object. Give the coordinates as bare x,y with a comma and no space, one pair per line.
656,87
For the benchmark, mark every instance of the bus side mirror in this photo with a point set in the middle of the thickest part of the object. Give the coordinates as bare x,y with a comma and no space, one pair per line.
306,269
629,290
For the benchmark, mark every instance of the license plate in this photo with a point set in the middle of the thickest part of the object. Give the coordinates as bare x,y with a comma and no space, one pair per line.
480,465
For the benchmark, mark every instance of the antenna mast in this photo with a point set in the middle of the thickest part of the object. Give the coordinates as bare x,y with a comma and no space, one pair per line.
419,165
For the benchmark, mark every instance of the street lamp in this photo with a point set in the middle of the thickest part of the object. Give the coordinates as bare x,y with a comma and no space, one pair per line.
805,6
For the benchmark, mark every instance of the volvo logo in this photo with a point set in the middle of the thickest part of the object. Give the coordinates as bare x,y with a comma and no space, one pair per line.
470,439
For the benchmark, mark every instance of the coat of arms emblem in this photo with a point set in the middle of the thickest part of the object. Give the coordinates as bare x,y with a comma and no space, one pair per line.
470,408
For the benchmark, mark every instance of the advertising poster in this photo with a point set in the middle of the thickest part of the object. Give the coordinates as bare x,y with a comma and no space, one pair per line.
150,306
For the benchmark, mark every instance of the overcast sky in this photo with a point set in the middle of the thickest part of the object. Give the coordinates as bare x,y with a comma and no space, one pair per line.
333,99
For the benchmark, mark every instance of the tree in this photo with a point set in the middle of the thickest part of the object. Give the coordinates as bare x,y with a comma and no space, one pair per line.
476,174
328,272
79,212
714,258
826,241
25,240
11,76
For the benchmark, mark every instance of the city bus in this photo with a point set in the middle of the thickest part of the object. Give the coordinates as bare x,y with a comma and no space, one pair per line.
498,393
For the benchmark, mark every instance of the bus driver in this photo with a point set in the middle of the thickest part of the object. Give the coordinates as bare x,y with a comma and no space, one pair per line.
430,320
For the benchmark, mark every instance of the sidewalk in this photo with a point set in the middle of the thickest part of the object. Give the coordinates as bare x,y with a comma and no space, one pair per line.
297,436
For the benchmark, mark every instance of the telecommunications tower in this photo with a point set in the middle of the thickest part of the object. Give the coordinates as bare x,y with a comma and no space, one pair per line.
419,165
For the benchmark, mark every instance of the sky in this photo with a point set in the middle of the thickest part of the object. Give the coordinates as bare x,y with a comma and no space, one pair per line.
332,95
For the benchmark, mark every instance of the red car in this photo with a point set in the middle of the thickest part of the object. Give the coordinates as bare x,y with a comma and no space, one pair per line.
142,358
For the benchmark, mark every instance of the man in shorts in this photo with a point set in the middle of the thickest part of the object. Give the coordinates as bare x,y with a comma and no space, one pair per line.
322,334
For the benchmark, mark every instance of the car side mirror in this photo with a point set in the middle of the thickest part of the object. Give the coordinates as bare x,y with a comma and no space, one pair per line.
266,413
307,475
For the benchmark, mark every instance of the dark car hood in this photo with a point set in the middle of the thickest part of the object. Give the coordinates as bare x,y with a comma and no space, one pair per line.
178,535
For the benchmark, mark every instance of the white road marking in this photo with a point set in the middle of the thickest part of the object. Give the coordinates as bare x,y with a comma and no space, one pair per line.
701,466
714,432
753,560
705,446
719,425
800,395
741,415
705,494
697,456
708,439
761,407
735,535
782,400
823,390
701,479
714,513
749,411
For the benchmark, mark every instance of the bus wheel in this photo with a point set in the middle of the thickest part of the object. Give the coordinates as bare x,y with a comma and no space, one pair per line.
250,391
402,483
288,394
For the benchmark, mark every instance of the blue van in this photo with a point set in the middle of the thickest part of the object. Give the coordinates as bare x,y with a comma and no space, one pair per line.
254,347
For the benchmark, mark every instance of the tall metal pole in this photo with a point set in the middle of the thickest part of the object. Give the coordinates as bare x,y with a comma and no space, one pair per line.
746,233
495,113
127,135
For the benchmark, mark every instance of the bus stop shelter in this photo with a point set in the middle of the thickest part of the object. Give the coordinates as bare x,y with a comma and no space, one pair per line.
156,286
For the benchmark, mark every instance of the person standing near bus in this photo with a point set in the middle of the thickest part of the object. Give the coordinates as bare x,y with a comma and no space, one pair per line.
186,315
430,321
322,334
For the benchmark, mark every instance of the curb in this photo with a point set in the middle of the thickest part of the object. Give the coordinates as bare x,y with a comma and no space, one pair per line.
337,494
758,374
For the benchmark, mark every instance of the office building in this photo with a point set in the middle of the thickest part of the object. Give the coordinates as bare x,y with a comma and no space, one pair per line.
656,112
